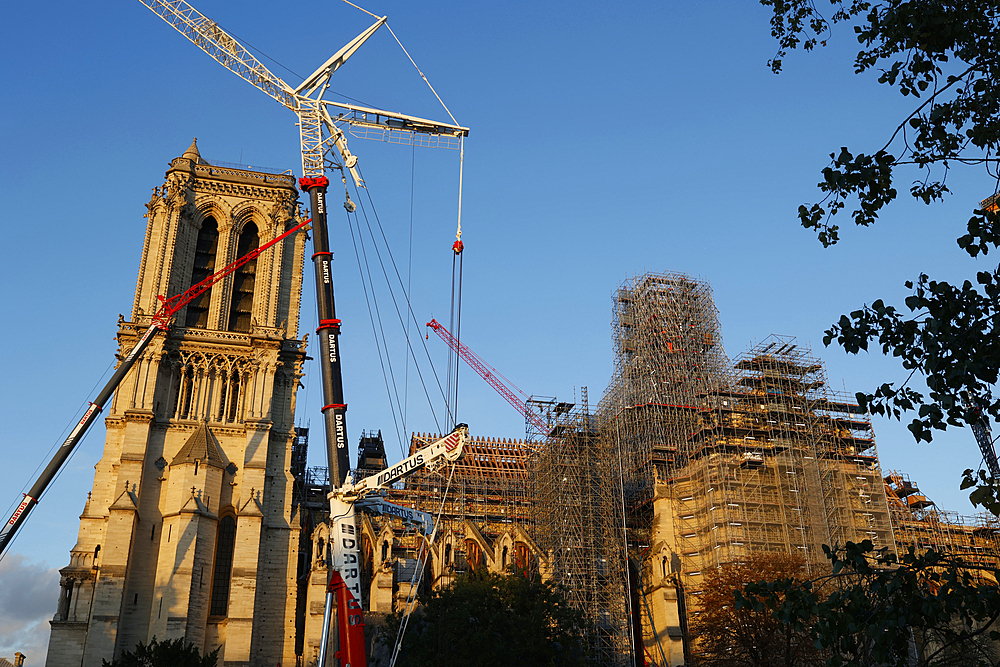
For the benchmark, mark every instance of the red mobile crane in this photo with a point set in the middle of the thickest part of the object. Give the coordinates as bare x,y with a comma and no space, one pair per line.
160,322
491,375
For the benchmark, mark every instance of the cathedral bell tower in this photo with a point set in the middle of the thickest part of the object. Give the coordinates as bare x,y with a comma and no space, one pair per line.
188,532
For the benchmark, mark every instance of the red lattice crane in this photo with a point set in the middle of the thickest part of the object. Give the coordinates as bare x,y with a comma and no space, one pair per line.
505,387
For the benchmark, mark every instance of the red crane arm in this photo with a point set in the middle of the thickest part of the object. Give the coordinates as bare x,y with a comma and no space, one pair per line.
489,374
172,306
161,322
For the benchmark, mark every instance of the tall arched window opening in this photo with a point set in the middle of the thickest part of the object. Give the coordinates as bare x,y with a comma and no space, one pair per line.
225,543
204,266
243,281
185,392
473,555
524,558
233,396
222,378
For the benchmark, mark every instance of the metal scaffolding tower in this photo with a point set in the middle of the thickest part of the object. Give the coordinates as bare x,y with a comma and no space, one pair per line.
720,460
579,523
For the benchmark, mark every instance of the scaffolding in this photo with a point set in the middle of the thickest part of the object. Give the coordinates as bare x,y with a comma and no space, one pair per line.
486,492
690,461
722,459
579,524
667,362
919,524
552,500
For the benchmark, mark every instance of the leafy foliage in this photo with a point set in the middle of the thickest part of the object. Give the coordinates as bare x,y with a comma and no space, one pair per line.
169,653
492,620
728,636
945,54
875,609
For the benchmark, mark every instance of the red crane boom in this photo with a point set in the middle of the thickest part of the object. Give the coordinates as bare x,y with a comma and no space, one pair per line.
491,375
159,322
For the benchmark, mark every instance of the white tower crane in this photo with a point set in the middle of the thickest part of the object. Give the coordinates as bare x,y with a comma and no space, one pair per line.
321,135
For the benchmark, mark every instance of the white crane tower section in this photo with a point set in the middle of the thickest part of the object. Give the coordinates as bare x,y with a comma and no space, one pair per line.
319,132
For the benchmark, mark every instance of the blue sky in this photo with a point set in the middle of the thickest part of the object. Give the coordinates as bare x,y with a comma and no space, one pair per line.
606,140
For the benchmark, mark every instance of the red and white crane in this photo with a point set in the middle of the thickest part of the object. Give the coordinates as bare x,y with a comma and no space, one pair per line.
160,322
505,387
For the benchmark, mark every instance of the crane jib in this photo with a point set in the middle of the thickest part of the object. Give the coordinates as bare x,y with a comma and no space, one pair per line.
397,471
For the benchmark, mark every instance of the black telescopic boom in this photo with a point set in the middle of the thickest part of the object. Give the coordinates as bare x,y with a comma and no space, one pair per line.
89,417
334,408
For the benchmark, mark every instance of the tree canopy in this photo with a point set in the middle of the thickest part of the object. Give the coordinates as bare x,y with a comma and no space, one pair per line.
920,610
916,609
731,636
169,653
492,620
944,55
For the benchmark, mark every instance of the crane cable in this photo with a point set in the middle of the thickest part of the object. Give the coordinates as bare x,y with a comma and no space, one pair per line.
373,314
455,324
393,392
419,71
380,341
405,621
409,290
455,317
409,306
363,262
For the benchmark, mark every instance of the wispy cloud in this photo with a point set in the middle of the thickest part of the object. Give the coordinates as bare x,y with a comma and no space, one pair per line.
29,593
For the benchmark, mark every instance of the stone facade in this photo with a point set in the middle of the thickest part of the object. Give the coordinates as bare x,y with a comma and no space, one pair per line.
485,522
189,530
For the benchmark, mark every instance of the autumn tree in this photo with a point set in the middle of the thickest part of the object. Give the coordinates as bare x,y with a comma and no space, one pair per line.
919,610
748,636
928,608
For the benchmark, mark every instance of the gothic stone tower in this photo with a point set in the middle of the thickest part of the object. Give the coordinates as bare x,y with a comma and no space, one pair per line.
189,530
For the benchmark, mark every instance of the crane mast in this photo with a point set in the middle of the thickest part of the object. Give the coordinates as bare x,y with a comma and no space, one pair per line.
981,429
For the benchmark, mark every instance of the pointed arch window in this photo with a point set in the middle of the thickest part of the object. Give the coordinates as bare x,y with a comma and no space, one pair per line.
226,542
204,266
229,382
524,559
233,396
184,392
241,306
